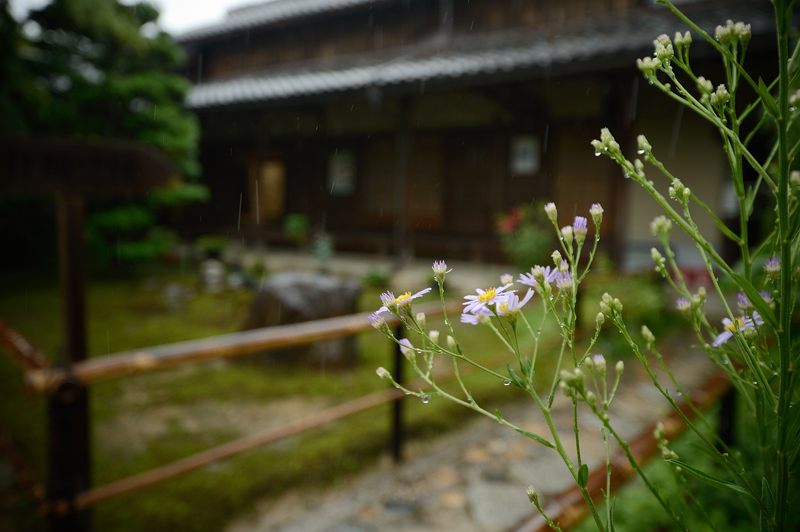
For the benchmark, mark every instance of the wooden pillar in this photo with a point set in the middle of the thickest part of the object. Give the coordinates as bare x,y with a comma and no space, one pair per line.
402,141
69,468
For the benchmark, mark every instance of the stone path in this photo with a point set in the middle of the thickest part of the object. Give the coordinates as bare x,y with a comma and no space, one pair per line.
473,479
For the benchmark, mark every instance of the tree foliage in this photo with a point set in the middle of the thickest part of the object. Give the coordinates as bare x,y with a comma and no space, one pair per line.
99,69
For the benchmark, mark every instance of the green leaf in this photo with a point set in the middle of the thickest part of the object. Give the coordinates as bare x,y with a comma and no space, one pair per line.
767,99
583,475
536,438
513,377
710,479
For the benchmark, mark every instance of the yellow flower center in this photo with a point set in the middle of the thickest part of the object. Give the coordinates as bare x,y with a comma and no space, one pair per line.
402,298
734,325
488,295
503,308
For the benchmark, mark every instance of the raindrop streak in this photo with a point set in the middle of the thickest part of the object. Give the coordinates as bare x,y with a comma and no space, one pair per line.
507,382
546,136
676,129
239,220
258,216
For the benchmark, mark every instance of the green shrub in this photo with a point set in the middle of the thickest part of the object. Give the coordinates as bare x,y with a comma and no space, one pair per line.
525,235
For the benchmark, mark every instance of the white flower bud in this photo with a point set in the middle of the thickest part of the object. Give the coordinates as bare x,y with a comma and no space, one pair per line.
663,48
720,96
704,85
383,373
599,363
566,234
600,319
421,319
648,66
620,367
556,256
644,145
533,496
551,211
451,343
649,337
406,348
596,211
434,336
661,226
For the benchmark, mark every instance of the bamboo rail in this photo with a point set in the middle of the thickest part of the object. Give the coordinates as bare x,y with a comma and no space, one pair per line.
47,379
232,448
568,507
22,351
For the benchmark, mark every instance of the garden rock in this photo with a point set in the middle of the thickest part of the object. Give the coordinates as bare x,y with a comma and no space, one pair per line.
296,297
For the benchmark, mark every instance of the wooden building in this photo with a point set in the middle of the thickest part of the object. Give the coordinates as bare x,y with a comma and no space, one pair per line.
406,126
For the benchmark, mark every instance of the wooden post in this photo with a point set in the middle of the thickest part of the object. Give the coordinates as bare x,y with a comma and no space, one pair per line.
398,433
69,471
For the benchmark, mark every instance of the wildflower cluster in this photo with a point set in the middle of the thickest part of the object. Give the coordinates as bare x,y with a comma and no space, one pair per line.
502,308
755,345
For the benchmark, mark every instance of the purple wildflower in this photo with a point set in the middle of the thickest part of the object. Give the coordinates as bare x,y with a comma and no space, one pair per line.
683,304
563,280
390,301
743,301
511,303
476,317
544,273
377,319
484,298
579,228
742,324
440,269
773,267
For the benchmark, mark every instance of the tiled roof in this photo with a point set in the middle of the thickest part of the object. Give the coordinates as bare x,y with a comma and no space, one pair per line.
266,13
620,39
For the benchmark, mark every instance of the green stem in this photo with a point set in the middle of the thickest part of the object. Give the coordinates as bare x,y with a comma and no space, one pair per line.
786,300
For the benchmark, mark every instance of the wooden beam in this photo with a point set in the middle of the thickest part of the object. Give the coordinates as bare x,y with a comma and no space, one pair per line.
94,167
227,450
25,354
226,345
